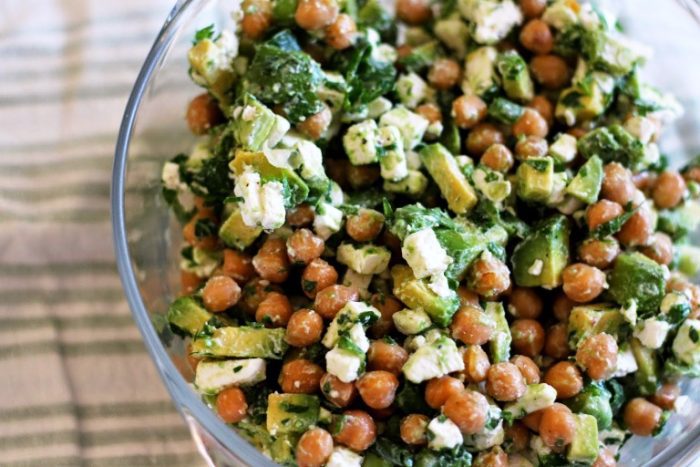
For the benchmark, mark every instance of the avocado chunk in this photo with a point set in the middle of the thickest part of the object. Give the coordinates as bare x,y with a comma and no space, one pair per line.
540,258
416,293
587,182
637,277
647,377
242,342
364,259
587,320
411,322
455,188
235,233
188,315
296,189
515,76
536,179
593,400
584,447
212,376
505,111
282,448
537,396
499,345
291,413
434,359
413,185
253,124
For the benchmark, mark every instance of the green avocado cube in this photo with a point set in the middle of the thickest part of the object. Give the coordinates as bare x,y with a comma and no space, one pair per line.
499,345
587,320
536,179
416,293
242,342
295,187
455,188
648,375
583,449
539,259
253,123
188,315
291,413
637,277
235,233
515,76
413,185
587,182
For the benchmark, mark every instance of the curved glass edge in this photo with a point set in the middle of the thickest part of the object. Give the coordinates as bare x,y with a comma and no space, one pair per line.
186,401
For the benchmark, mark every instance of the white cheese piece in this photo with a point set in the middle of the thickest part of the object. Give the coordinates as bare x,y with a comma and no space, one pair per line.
480,71
560,15
652,332
424,254
272,203
344,457
248,188
392,161
413,90
328,220
343,364
536,397
445,434
411,125
364,259
535,268
642,128
439,284
492,19
358,281
378,107
336,195
212,376
360,143
626,363
564,148
347,318
686,345
436,359
411,322
171,176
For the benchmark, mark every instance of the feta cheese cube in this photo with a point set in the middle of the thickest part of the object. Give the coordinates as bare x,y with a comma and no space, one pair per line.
642,128
344,457
411,125
480,71
454,33
436,359
392,159
248,188
652,332
439,284
564,148
272,202
424,254
413,90
171,176
686,345
378,107
626,363
343,364
536,397
492,19
364,259
560,15
328,220
359,281
352,314
360,143
212,376
445,434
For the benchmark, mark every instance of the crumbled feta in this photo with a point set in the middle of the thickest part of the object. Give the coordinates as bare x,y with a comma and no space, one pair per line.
344,457
358,281
454,33
171,176
536,397
378,106
444,434
560,15
439,284
535,268
413,90
480,71
336,195
642,128
652,332
492,19
564,148
411,125
272,202
424,254
347,318
328,220
413,160
360,143
436,359
491,184
626,363
686,345
343,364
486,439
214,375
364,259
392,160
248,188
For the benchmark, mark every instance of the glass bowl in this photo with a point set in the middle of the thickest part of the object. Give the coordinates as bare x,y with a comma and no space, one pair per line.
147,239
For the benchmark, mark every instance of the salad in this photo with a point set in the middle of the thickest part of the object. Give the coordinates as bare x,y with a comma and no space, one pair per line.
440,235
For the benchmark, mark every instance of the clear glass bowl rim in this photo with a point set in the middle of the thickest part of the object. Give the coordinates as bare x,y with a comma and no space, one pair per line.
681,452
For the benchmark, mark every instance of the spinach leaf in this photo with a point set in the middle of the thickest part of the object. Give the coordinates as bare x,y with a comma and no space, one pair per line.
212,181
613,144
393,452
414,217
368,76
204,33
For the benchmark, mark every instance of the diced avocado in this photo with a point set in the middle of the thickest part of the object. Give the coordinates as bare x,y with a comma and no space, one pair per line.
235,233
214,375
480,76
242,342
586,99
421,56
201,261
374,15
541,257
188,315
515,76
413,185
584,446
587,182
364,259
499,345
563,149
373,460
454,33
613,53
416,293
435,359
282,448
535,177
255,434
613,144
647,377
297,189
291,413
491,184
411,322
587,320
253,123
505,111
637,277
455,188
411,125
537,396
681,221
210,64
283,12
688,259
593,400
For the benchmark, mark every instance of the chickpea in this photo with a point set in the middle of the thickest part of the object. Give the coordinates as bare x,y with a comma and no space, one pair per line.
605,458
468,410
551,71
300,376
666,396
481,137
231,405
414,428
386,356
528,368
533,8
528,337
498,157
494,457
536,37
377,388
203,113
341,34
314,448
189,282
504,382
238,266
533,419
303,246
582,283
438,390
317,276
444,73
476,364
330,300
642,417
358,431
525,302
669,189
220,293
414,12
382,414
566,378
601,212
316,14
304,328
300,216
467,297
336,391
403,50
489,276
660,249
471,326
518,435
597,354
274,310
531,146
638,229
557,426
562,306
387,306
314,125
617,184
556,344
362,176
644,181
468,111
192,360
257,17
255,292
530,123
544,107
271,261
430,112
189,233
365,225
599,253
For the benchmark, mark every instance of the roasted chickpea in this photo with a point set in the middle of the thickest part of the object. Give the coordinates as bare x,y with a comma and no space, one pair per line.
430,112
481,137
582,283
315,125
660,248
489,276
566,378
557,426
255,292
528,337
468,111
498,157
414,428
504,382
601,212
314,448
341,34
528,368
189,233
378,388
413,12
476,364
518,435
316,14
238,266
231,405
536,37
532,420
438,390
666,396
358,430
257,16
533,8
300,216
561,307
530,123
362,176
274,310
605,458
471,325
317,276
189,282
544,107
669,189
467,297
365,225
330,300
387,306
597,354
556,343
617,186
271,261
386,356
220,293
203,113
525,302
336,391
303,246
599,253
642,417
304,328
494,457
468,410
300,376
531,146
551,71
444,73
639,229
